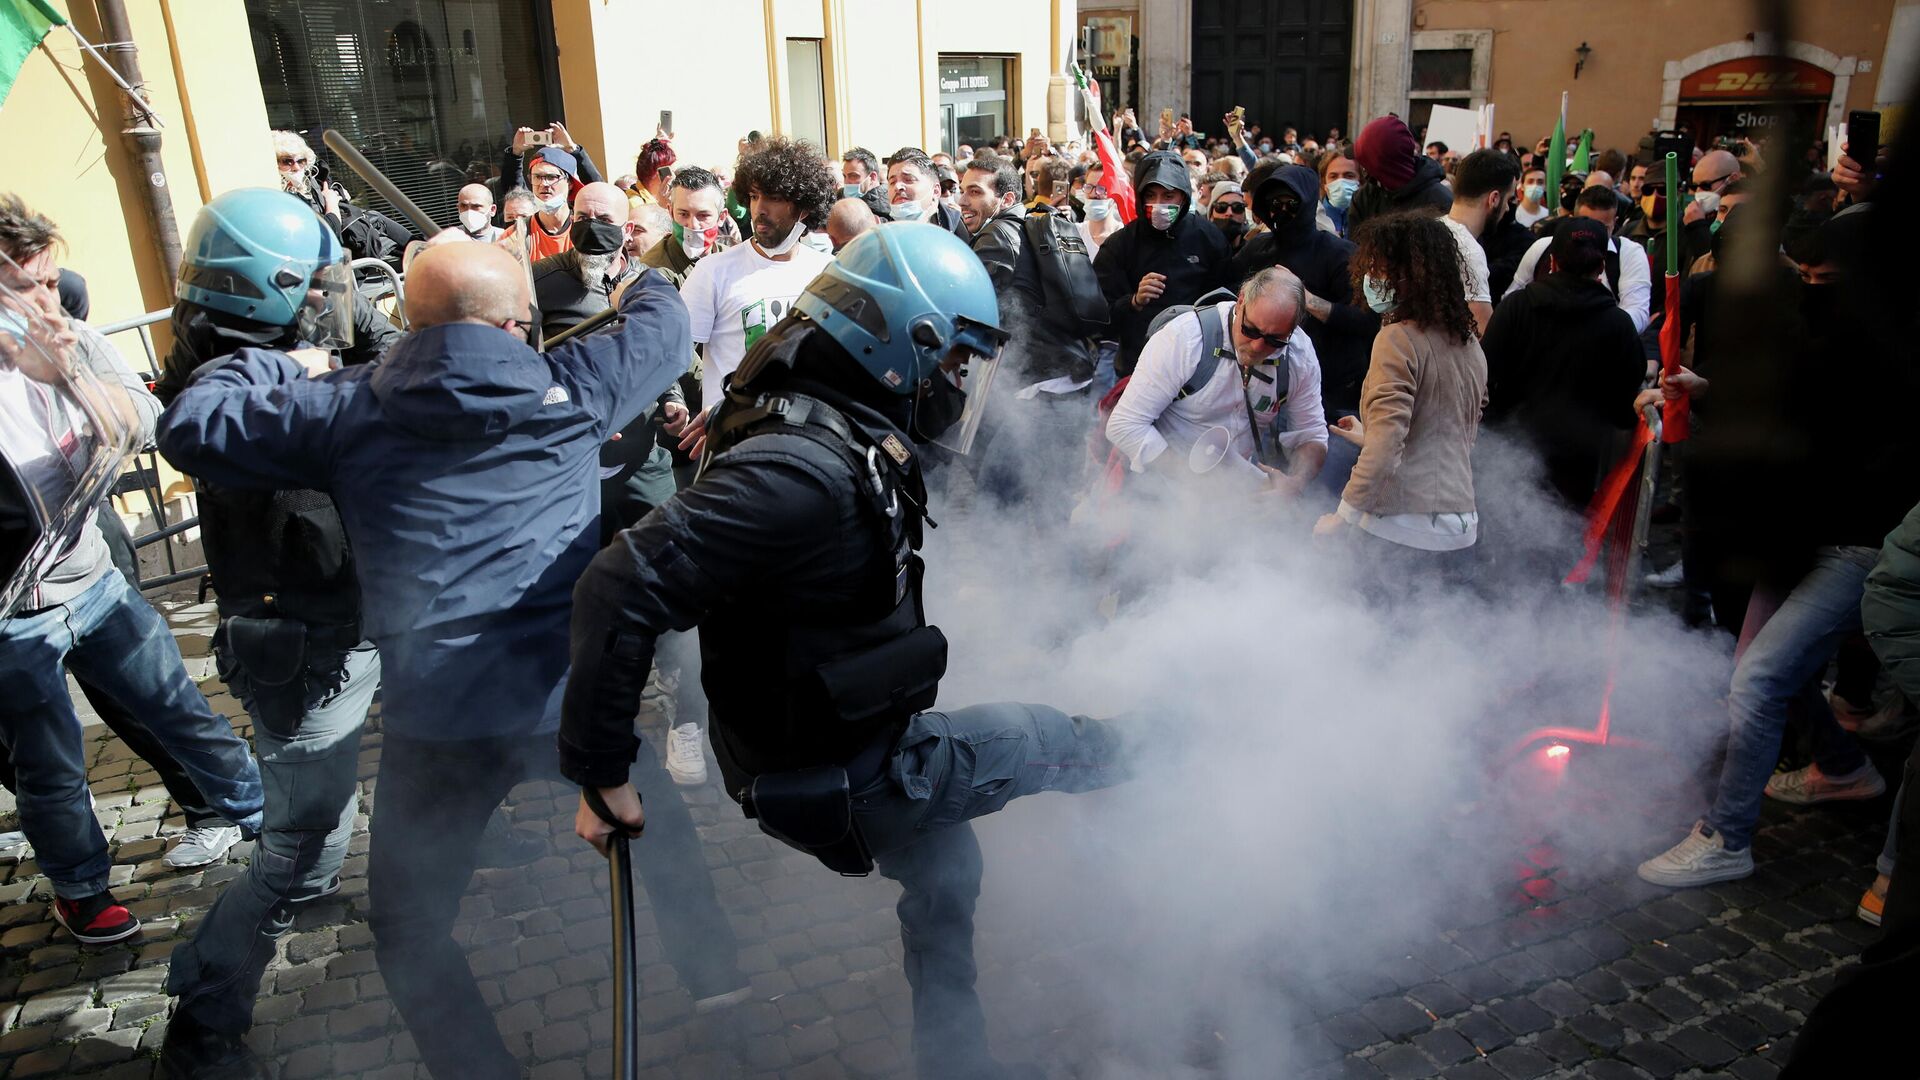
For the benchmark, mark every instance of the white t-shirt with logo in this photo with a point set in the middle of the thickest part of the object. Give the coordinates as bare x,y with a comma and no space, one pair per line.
735,296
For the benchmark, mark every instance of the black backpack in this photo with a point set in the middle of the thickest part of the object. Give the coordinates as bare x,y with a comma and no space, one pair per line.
1066,273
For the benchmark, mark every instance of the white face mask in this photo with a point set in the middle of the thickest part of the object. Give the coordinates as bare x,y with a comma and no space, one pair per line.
1708,202
555,204
1099,209
694,242
473,221
784,246
908,211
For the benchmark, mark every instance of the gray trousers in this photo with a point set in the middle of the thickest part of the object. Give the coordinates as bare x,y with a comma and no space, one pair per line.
310,779
949,768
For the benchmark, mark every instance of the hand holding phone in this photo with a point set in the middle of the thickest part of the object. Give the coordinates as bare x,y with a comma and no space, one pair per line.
1863,138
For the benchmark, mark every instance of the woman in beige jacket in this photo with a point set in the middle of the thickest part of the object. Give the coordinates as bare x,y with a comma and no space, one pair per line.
1409,502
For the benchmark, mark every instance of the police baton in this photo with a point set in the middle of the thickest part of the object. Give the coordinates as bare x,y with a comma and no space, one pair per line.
626,945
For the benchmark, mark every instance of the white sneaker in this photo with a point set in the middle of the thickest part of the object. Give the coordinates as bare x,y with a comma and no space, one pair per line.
1889,722
1670,578
686,757
203,845
1701,859
1804,787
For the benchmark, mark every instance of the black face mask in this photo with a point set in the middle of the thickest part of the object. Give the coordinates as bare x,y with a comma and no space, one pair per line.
1231,228
940,406
593,237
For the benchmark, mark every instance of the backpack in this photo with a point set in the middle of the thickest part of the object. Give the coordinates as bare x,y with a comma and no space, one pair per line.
1066,274
1110,463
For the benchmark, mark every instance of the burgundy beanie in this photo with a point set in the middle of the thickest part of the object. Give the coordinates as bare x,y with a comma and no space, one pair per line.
1386,149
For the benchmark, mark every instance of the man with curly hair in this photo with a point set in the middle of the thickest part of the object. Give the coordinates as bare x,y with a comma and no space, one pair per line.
733,297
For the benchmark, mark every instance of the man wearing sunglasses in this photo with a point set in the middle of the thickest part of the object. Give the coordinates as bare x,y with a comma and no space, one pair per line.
1228,210
1267,399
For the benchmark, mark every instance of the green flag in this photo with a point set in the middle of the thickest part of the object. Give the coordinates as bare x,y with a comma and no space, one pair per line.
1580,156
1557,156
22,24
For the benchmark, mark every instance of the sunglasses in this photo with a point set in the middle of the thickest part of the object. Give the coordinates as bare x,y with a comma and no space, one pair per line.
1239,208
1253,333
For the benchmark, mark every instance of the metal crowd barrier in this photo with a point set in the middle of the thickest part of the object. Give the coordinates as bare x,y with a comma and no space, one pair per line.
144,476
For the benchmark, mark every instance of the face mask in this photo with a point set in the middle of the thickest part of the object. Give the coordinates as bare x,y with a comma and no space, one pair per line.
1231,228
473,221
1099,209
941,406
1163,215
1654,206
850,191
1708,202
1379,295
1266,147
784,246
591,237
554,205
695,242
1080,196
908,211
1536,192
1340,193
1715,227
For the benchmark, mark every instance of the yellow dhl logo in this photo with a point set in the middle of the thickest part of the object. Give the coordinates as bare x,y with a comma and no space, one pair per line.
1733,82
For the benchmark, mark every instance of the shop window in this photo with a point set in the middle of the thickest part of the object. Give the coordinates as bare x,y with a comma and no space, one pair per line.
974,100
430,90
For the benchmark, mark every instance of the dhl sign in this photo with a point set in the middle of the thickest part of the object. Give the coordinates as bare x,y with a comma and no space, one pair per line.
1757,78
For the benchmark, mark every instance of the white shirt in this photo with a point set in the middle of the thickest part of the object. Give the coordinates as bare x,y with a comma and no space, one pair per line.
1636,277
735,296
1151,417
1529,218
1473,263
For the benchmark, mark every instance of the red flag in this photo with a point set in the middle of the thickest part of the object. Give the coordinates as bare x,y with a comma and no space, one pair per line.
1119,187
1673,416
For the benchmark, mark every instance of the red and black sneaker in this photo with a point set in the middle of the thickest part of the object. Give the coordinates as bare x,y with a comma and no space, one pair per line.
96,920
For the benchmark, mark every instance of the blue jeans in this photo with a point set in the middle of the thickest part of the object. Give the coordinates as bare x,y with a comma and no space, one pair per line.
114,640
946,770
1778,671
310,775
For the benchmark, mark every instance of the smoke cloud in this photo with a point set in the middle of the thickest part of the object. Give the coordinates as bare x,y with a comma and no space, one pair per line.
1323,782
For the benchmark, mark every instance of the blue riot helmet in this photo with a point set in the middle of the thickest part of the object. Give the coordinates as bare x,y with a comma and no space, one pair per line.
264,255
913,306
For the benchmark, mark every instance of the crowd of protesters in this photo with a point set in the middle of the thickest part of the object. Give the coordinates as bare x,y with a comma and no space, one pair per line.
1333,320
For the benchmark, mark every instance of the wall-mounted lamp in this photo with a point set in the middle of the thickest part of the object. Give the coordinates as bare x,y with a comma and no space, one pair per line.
1582,52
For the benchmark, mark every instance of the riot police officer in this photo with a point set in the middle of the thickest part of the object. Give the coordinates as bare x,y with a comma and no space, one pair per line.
795,554
261,269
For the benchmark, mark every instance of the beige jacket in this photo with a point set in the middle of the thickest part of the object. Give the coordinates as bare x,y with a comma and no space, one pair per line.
1421,405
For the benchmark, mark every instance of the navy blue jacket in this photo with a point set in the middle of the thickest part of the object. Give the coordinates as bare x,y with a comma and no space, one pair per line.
466,469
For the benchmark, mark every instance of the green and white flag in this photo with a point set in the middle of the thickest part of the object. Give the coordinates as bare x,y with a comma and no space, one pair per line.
22,24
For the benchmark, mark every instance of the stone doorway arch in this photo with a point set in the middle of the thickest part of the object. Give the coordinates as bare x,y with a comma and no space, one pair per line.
1842,67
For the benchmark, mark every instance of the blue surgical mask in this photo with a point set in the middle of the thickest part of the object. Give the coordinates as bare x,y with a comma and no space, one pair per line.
1340,193
908,211
1536,192
850,191
1379,295
1099,209
1266,147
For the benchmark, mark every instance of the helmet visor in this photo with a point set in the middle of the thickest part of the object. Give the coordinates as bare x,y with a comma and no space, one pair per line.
65,434
326,318
969,367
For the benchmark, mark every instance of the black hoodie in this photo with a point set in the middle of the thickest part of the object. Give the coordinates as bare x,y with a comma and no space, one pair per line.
1563,367
1428,188
1192,254
1319,259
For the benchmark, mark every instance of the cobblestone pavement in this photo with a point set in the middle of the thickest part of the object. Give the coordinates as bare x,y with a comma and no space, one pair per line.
1552,974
